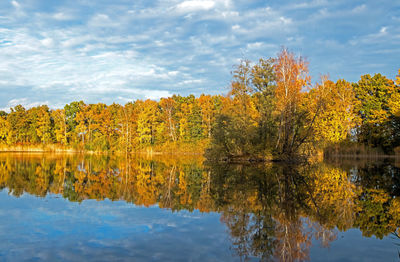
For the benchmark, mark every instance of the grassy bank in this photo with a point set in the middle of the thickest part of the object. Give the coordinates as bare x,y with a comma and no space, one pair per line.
38,148
165,149
359,151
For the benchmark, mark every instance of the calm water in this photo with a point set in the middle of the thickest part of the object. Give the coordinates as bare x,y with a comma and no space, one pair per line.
93,208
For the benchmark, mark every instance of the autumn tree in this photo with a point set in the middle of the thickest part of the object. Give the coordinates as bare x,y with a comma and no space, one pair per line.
60,126
377,127
334,103
82,119
147,122
71,110
291,79
100,127
235,131
209,107
4,126
19,125
44,124
168,110
127,124
112,129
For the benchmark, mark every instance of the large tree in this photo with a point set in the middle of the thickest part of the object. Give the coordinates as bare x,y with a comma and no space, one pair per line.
375,100
335,103
292,79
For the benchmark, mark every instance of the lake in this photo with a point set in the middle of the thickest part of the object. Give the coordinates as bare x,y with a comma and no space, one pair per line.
57,207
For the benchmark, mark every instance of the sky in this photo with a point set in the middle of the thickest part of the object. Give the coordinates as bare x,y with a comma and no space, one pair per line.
56,52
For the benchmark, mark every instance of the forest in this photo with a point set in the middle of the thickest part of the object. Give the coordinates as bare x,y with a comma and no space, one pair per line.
272,111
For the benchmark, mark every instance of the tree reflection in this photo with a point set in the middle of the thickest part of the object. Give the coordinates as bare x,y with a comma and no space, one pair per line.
285,207
272,212
264,209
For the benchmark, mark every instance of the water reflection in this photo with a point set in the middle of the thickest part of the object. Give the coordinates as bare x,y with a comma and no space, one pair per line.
273,212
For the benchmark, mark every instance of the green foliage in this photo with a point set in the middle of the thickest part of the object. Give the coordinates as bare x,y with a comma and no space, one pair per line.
379,126
245,125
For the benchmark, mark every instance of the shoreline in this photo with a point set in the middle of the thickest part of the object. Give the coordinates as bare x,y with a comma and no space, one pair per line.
89,152
53,149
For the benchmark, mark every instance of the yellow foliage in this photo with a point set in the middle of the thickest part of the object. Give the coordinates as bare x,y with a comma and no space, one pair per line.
333,103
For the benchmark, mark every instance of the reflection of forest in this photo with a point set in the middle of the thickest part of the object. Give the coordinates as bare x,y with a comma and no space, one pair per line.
271,211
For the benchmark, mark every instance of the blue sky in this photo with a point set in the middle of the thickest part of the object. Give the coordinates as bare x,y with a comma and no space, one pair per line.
56,52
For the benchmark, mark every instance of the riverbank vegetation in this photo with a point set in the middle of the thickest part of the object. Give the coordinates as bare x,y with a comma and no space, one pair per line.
272,111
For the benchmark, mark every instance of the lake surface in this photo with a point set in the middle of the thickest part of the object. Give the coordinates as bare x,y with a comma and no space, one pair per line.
97,208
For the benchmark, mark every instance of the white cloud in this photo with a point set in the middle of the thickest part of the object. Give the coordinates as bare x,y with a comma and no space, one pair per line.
380,37
155,94
229,14
69,42
191,82
61,16
235,27
25,102
359,8
193,6
285,20
262,22
308,5
173,73
15,4
102,20
226,3
47,42
145,93
255,45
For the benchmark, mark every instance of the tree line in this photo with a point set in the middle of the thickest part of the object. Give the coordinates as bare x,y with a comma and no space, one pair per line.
134,126
272,109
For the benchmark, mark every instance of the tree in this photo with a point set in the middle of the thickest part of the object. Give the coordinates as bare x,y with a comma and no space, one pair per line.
44,124
60,126
82,119
235,132
19,125
127,126
394,107
112,129
210,106
147,119
291,79
100,127
263,80
71,110
375,95
335,102
168,110
188,115
4,128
